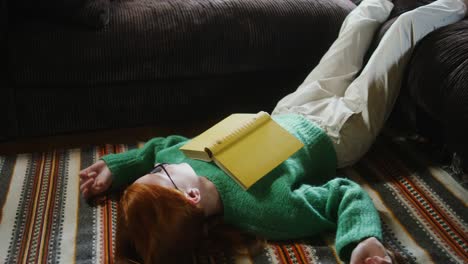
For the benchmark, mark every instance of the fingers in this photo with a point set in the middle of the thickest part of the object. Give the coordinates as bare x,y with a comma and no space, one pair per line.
378,260
88,182
94,167
85,176
90,185
83,173
85,187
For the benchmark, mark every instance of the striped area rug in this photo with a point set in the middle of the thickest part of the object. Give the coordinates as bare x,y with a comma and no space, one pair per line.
44,220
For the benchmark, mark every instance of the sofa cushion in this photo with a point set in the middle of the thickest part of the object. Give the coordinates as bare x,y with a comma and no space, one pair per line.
152,40
434,93
438,83
92,13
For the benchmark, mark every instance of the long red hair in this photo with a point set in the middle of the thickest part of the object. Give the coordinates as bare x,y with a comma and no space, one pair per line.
157,225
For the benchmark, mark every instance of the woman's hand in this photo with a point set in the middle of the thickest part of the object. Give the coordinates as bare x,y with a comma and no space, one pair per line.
95,179
370,251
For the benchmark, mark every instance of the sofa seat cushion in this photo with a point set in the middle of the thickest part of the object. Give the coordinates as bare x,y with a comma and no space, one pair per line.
165,39
89,13
437,82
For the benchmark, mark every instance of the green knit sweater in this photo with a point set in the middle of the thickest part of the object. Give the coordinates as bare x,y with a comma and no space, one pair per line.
299,198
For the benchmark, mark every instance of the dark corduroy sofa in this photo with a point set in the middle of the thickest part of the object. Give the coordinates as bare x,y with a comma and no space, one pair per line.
433,100
96,64
145,62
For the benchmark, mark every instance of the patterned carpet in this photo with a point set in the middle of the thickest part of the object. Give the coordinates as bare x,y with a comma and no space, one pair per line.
44,220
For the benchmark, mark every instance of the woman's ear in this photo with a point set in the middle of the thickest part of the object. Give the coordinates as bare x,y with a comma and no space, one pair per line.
193,195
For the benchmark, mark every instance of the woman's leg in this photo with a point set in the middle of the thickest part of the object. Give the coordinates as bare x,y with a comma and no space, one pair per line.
343,60
345,56
372,95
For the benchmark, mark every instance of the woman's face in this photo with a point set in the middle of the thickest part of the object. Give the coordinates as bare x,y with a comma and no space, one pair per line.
182,175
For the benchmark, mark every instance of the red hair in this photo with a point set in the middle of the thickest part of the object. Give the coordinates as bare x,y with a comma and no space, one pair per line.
157,225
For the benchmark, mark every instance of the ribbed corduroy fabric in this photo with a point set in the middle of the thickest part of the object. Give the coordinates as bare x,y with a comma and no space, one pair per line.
200,58
53,110
299,198
434,93
438,83
153,40
83,13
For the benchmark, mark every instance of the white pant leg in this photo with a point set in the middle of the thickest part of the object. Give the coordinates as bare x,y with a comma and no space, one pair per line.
342,61
344,58
317,98
373,94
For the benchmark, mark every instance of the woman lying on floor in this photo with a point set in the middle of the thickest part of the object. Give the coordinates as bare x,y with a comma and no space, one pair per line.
166,209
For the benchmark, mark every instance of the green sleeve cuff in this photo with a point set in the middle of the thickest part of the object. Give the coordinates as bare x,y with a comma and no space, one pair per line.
125,168
128,166
358,222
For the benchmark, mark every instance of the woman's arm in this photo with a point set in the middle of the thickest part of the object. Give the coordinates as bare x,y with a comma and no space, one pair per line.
117,170
126,167
345,203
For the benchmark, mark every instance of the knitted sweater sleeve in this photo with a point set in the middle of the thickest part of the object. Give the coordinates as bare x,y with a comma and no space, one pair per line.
345,203
128,166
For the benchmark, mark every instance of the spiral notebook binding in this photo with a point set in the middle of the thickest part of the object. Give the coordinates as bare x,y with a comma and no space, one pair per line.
222,143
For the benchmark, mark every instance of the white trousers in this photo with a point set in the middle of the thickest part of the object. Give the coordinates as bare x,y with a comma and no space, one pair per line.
353,109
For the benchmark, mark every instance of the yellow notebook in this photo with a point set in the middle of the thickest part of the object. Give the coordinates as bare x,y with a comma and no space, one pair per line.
245,146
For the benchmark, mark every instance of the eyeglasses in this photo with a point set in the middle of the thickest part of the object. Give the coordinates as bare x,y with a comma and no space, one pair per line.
160,166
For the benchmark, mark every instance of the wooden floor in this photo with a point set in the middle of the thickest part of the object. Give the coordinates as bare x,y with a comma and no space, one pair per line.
113,136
